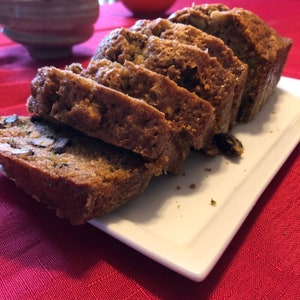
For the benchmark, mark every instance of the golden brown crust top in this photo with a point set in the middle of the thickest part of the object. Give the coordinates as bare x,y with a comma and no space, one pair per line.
265,39
209,17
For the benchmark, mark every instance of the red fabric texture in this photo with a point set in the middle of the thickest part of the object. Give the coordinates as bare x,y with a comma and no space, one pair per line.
43,257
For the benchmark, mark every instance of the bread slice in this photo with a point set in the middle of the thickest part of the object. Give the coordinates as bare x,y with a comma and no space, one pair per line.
252,40
104,113
187,65
214,46
78,176
188,115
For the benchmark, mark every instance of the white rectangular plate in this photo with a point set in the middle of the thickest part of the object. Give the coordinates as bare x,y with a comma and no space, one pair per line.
174,221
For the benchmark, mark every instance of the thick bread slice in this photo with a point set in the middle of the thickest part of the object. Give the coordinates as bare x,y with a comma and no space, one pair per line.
214,46
63,96
78,176
252,40
187,65
188,114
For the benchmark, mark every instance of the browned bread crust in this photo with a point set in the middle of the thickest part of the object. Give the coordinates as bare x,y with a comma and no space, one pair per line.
78,176
126,97
187,65
214,46
252,40
188,115
104,113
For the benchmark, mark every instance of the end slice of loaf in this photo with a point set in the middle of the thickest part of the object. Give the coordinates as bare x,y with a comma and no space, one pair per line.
187,65
78,176
98,111
214,46
252,40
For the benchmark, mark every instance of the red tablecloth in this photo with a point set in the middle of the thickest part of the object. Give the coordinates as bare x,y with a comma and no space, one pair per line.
43,257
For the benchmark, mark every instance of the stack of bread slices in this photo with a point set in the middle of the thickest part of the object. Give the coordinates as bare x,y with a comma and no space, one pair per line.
149,95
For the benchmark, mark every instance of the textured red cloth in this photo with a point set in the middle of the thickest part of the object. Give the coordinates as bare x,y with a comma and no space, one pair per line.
43,257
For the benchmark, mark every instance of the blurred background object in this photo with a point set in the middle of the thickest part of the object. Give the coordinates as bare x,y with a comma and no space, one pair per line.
49,29
107,1
145,8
